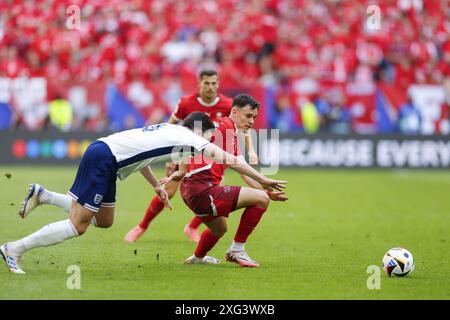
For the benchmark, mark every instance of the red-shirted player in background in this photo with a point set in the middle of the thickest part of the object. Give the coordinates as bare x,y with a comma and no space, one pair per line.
211,202
214,104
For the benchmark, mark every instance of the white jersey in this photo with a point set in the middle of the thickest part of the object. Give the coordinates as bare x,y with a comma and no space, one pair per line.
137,148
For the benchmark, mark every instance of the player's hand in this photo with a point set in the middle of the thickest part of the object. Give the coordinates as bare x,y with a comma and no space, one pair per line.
162,194
277,195
176,176
253,158
270,184
164,181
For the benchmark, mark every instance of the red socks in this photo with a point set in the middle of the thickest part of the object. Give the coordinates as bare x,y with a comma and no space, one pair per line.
195,222
154,208
207,241
249,220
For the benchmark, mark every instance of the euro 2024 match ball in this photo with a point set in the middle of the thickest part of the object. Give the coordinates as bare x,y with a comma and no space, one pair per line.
398,262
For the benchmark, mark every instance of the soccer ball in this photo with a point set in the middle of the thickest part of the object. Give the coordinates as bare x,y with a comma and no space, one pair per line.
398,262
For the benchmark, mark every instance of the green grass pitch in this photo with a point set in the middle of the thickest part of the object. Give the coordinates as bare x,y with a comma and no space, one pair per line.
318,245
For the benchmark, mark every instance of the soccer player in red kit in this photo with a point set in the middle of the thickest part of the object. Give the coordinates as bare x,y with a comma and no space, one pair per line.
211,202
216,105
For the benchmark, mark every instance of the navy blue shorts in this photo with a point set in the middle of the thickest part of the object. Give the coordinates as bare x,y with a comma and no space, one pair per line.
95,183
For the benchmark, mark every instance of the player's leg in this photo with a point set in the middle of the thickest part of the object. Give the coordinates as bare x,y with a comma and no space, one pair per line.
255,203
249,197
191,229
95,180
38,195
215,230
51,234
104,218
155,207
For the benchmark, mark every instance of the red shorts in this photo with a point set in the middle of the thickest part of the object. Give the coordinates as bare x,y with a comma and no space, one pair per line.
207,202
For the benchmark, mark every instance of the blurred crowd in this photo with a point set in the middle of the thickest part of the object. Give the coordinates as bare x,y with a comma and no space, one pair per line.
271,43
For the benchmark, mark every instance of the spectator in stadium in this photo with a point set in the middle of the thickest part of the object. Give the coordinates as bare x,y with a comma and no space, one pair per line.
166,40
60,114
340,115
6,116
409,118
310,117
283,117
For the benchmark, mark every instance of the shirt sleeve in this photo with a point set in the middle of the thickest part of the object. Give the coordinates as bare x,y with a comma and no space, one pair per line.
180,112
198,143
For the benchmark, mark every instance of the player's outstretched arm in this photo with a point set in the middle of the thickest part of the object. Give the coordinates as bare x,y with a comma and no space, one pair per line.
176,176
273,195
239,164
150,177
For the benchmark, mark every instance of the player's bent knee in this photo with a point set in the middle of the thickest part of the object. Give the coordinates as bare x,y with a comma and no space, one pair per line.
80,227
104,225
220,232
252,197
263,199
172,193
171,188
105,217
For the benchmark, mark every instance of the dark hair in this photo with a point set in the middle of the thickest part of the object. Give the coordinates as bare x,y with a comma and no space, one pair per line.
201,118
242,100
207,73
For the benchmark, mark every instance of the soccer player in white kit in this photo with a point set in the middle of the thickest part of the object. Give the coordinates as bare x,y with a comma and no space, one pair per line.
91,199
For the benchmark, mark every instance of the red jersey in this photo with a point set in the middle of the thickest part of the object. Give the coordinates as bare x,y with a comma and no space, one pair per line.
219,108
203,170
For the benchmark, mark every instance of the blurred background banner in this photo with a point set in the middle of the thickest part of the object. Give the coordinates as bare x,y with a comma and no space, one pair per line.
357,151
290,150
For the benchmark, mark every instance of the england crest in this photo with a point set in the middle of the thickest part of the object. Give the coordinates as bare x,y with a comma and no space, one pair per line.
98,198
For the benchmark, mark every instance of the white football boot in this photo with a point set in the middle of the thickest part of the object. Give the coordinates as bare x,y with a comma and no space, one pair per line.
12,261
31,200
205,260
242,258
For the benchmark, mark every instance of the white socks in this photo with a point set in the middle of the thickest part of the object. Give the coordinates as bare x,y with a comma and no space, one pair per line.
62,201
237,246
51,234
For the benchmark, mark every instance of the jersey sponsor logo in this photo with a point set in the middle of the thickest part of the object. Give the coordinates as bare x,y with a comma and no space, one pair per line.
98,198
153,127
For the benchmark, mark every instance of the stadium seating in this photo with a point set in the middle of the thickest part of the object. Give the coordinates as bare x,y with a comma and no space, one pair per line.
299,51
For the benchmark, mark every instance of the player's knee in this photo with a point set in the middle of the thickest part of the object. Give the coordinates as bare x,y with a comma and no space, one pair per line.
222,231
171,189
80,227
104,224
263,199
219,231
171,193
